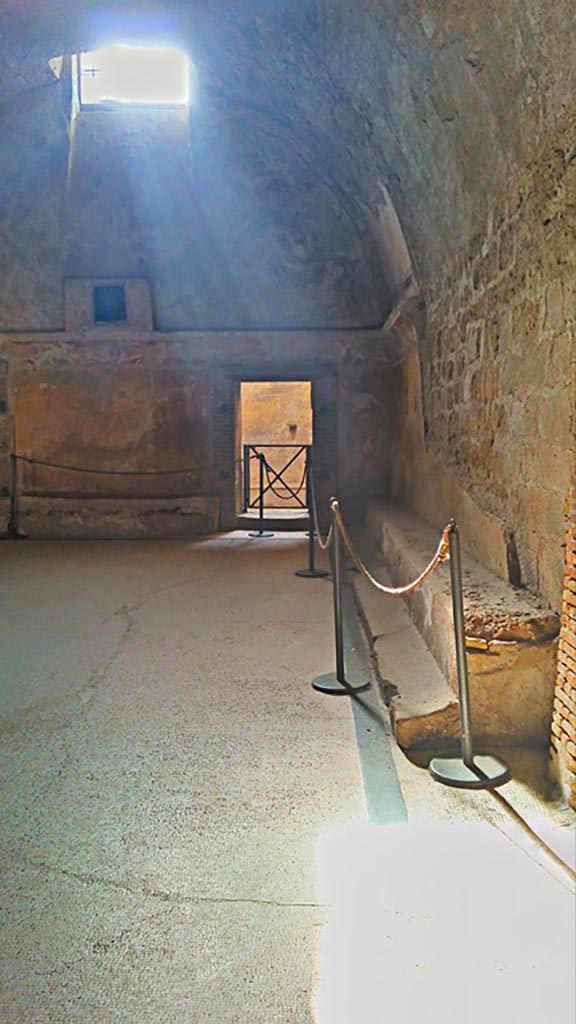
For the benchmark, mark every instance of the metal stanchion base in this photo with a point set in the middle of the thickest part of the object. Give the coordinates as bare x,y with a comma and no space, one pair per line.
312,574
13,535
328,683
487,772
260,533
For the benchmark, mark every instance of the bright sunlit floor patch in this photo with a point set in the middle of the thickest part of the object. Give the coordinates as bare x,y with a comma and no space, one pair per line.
134,74
448,924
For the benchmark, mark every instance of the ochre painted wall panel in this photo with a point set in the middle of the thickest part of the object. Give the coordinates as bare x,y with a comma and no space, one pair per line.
111,418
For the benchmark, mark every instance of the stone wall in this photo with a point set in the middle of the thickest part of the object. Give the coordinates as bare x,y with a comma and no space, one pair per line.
451,101
310,120
98,413
154,402
498,378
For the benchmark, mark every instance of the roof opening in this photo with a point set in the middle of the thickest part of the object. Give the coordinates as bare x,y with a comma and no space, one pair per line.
124,74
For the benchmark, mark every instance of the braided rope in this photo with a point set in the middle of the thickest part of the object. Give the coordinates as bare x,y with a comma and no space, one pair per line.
117,472
322,544
442,555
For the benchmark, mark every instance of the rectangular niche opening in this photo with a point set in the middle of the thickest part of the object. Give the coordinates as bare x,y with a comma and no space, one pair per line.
109,303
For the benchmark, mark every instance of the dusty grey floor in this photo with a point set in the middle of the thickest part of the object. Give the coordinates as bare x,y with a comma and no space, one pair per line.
169,771
185,837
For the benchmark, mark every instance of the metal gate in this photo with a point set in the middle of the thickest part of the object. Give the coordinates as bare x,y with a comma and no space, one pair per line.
275,476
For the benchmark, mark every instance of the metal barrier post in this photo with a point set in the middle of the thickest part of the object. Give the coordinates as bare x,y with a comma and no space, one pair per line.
470,771
261,532
311,572
332,683
246,489
12,531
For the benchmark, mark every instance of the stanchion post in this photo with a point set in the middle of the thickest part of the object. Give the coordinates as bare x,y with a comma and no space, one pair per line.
460,644
311,572
261,532
12,531
337,595
335,683
470,771
246,482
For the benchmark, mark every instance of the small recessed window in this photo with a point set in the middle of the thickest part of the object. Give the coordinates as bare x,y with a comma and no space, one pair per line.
122,74
109,304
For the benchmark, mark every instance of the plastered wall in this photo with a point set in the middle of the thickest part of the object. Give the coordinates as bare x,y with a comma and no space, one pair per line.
236,225
168,402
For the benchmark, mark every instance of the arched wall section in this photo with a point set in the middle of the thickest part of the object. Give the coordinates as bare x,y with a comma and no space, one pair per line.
467,115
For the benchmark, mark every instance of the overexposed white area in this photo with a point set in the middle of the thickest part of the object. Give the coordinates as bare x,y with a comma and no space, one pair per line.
121,73
443,924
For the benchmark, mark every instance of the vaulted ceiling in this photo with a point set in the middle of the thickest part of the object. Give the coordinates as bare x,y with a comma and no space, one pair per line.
433,102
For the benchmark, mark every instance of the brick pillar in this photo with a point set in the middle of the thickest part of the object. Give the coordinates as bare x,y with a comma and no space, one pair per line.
564,714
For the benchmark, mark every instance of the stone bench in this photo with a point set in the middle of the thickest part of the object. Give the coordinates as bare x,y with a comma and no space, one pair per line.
101,518
511,642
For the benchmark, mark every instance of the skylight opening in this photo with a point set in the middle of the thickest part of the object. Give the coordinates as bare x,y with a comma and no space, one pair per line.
133,75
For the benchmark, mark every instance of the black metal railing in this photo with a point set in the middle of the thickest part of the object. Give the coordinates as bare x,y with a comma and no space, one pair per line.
275,476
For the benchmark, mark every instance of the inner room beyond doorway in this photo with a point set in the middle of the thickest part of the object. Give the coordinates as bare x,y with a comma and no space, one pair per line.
276,419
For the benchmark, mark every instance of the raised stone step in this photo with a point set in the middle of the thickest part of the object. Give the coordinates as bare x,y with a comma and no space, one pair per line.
279,520
511,642
422,706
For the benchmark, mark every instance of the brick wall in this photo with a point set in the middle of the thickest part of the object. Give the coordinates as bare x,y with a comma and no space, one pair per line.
564,716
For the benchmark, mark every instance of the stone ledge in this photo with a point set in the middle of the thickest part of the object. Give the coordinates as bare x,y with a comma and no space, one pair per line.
117,518
511,681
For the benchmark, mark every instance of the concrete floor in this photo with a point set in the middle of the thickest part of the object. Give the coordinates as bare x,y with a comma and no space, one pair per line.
186,836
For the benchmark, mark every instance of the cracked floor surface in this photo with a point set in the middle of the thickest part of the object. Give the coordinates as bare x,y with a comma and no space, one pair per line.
169,771
185,837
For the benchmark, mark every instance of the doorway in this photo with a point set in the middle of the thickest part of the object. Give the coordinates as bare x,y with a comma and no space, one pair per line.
275,430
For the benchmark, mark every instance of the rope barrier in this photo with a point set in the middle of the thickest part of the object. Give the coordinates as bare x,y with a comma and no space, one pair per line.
322,544
442,555
469,770
12,530
118,472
